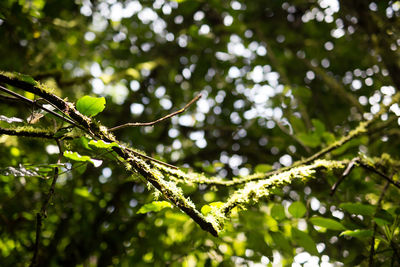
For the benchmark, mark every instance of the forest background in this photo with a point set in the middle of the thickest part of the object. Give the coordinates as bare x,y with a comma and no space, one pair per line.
281,147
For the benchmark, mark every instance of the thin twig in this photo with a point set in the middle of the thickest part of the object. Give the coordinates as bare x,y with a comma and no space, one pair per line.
346,172
43,211
282,127
135,124
2,88
152,159
372,249
374,170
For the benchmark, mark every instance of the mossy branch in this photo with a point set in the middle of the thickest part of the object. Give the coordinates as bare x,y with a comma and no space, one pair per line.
99,132
257,185
253,191
27,131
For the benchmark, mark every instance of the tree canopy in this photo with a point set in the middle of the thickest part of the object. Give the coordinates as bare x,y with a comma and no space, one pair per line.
199,133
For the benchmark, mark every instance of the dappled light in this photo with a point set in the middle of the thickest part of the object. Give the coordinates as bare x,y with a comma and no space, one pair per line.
199,133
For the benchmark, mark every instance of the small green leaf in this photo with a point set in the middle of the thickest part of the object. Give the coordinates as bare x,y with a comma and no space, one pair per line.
76,157
357,208
384,215
278,212
318,126
328,137
262,168
84,192
134,73
101,144
297,124
206,209
297,209
25,78
281,242
154,206
358,233
309,139
91,106
327,223
381,222
305,241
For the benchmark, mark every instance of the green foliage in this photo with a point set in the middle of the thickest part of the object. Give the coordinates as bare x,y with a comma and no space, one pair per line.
75,156
155,206
358,233
297,209
357,208
292,92
91,106
305,241
278,212
326,223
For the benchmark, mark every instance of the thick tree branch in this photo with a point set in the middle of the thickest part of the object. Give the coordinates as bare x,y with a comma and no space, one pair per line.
27,132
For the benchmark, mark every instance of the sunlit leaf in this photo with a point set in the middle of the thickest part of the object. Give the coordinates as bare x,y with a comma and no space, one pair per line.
262,168
304,240
154,206
358,233
278,212
327,223
309,139
11,119
91,106
282,242
84,192
357,208
101,144
297,209
75,156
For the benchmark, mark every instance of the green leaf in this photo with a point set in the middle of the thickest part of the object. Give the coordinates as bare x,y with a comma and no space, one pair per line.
91,106
25,78
327,223
297,124
101,144
305,241
328,137
318,126
297,209
278,212
154,206
357,208
84,192
262,168
207,208
76,157
358,233
281,242
381,222
384,215
309,139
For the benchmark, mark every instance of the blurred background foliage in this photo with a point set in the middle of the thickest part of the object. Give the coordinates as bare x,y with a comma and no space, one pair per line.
280,81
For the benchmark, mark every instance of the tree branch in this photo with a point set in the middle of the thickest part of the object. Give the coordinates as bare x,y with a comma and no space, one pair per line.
27,132
2,88
346,172
373,169
43,211
135,124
